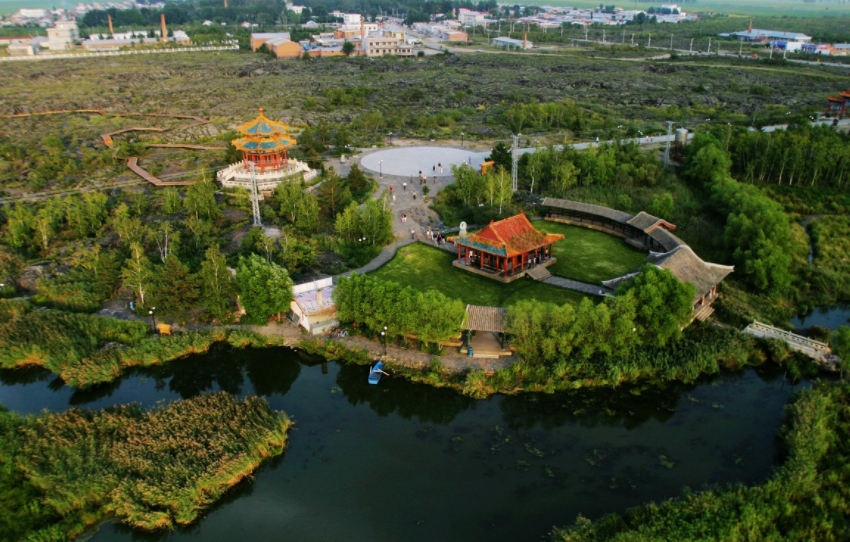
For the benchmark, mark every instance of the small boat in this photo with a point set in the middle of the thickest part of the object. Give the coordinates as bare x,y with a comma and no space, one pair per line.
375,372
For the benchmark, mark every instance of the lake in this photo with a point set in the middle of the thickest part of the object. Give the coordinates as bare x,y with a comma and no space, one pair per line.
405,461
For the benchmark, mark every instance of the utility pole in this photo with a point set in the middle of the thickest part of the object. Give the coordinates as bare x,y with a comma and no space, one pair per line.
667,148
585,32
741,48
623,41
255,196
691,48
514,163
603,35
633,39
671,42
709,45
649,41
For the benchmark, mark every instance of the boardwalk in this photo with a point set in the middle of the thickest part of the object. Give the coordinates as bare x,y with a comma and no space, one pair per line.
133,164
816,350
133,161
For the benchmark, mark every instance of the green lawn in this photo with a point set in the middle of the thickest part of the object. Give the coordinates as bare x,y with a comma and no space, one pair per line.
427,268
589,255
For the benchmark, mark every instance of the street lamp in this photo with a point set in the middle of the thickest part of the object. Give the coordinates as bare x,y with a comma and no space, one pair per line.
381,168
153,317
461,140
384,339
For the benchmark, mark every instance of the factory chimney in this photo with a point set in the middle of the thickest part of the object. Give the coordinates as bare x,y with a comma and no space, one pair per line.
750,29
164,36
525,41
109,19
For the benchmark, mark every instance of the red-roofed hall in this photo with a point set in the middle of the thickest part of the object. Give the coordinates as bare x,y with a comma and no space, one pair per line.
505,250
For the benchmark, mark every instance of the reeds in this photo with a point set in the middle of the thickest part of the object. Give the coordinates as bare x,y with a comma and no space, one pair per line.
807,498
152,470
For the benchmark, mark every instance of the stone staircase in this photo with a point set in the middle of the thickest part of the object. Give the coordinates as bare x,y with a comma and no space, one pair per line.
704,312
539,273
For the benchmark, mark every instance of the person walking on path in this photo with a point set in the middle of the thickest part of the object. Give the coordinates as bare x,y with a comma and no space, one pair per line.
404,186
412,234
393,197
440,166
414,195
435,179
433,169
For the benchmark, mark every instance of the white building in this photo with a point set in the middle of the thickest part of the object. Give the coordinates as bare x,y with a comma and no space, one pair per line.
296,9
60,36
472,18
32,13
351,20
312,303
387,44
510,43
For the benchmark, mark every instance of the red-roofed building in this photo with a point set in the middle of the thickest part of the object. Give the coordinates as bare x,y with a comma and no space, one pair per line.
837,105
506,249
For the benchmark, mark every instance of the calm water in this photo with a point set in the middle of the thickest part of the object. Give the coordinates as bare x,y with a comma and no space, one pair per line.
403,461
828,316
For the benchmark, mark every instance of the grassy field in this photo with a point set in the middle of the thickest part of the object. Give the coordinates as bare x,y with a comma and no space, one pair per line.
590,256
426,268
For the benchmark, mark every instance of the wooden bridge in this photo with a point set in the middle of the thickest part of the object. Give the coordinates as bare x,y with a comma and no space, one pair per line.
816,350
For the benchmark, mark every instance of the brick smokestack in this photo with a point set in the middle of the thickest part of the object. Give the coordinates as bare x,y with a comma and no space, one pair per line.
164,30
525,40
109,19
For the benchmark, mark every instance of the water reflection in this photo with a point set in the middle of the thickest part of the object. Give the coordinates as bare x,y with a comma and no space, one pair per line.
399,396
828,316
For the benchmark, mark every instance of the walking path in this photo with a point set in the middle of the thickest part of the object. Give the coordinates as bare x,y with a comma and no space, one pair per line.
583,287
133,161
451,360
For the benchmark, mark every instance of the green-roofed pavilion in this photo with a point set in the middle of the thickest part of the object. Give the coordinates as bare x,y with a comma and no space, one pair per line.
265,143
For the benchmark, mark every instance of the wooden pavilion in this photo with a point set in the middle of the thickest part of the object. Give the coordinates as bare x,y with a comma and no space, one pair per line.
505,250
265,143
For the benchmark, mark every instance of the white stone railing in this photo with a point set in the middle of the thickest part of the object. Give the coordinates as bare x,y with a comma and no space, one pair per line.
238,174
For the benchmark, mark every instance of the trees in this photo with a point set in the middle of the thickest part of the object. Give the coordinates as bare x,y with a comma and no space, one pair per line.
265,288
334,196
200,200
358,184
296,206
374,304
175,291
137,273
347,48
663,304
757,231
216,281
661,206
501,155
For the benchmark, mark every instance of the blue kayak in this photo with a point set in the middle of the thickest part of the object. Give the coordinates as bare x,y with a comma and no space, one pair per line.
376,372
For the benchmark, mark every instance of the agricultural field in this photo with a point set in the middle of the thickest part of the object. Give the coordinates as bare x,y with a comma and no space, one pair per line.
427,268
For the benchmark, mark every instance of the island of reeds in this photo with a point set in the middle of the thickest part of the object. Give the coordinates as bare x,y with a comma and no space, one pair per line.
63,473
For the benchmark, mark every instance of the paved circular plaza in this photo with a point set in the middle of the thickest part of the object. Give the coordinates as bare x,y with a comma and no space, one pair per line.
406,161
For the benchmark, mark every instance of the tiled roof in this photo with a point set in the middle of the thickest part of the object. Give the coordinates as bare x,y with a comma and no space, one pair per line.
647,222
509,237
588,208
485,318
688,267
666,239
263,126
263,144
